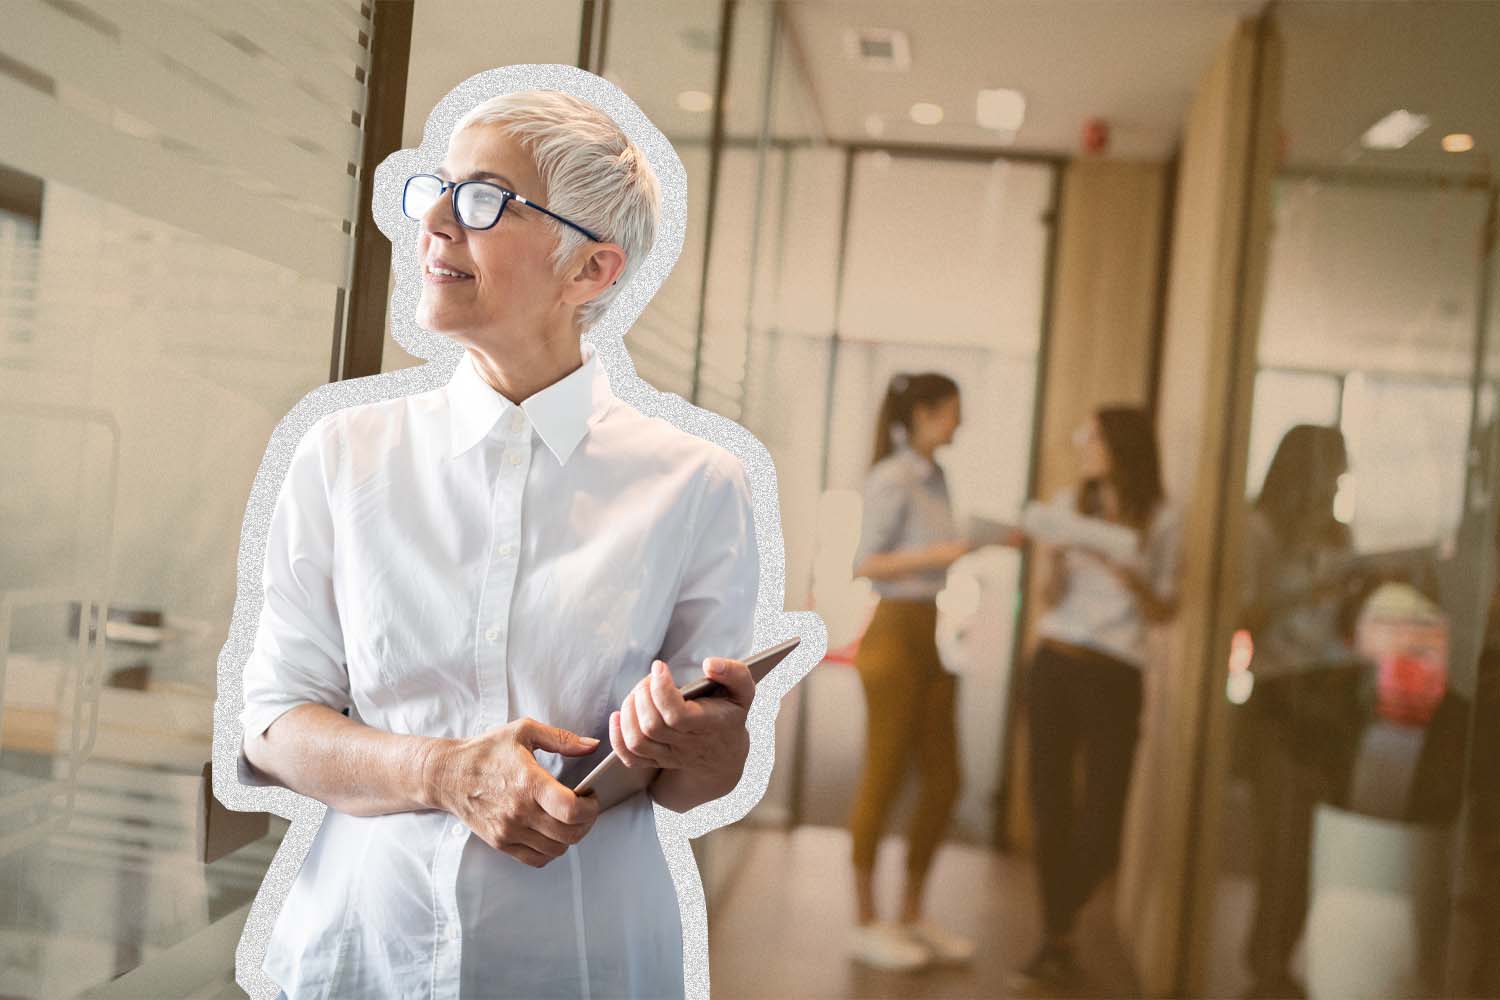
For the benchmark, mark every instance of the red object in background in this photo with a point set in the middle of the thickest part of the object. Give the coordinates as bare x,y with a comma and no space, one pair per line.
1409,687
1095,135
1406,636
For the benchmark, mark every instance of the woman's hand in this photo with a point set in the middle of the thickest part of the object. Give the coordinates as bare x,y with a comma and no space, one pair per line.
494,784
1053,563
701,744
1153,608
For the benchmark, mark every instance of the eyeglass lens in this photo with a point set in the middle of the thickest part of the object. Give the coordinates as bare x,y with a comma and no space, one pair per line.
479,205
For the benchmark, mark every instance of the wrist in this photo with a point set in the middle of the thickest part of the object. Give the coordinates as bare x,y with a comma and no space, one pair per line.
434,765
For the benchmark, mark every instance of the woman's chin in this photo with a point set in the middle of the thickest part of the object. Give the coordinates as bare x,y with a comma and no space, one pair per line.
439,322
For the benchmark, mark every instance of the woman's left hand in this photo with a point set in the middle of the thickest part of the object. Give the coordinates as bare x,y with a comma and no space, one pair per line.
657,727
1154,608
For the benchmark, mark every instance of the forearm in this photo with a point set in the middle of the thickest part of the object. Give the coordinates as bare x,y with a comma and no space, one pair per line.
891,565
681,789
1153,608
351,767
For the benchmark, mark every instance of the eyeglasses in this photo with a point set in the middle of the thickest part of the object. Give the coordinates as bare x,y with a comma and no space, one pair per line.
476,204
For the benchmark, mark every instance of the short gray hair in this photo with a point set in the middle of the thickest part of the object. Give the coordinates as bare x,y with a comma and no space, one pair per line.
594,175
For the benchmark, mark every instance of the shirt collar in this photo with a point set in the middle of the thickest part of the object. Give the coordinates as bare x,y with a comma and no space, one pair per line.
561,413
926,467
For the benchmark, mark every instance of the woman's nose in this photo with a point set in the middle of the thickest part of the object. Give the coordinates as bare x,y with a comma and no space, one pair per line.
438,219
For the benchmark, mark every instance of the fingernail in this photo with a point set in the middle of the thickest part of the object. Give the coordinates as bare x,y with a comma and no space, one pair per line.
589,739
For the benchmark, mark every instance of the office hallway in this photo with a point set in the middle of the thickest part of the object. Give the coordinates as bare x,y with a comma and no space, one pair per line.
781,922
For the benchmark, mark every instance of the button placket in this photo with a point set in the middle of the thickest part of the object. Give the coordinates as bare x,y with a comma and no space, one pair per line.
448,946
510,488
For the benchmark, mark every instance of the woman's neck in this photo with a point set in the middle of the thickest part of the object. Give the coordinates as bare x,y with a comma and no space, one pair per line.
520,371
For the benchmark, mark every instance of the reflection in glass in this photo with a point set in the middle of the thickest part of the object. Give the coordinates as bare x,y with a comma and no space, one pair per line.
1358,840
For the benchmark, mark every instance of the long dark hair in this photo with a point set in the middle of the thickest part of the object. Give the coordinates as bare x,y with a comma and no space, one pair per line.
1134,466
1297,495
902,396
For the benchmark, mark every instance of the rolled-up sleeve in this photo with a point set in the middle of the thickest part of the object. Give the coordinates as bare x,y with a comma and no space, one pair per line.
881,514
298,657
714,614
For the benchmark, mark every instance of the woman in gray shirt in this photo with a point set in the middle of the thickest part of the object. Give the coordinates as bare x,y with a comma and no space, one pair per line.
1303,721
907,542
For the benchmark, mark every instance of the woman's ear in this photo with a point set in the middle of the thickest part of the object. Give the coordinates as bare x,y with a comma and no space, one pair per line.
600,268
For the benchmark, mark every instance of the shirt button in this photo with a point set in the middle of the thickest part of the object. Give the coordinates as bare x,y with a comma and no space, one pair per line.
518,422
513,457
459,830
492,634
452,932
504,551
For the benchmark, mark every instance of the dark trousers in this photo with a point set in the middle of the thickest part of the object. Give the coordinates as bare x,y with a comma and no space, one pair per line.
1303,731
1084,704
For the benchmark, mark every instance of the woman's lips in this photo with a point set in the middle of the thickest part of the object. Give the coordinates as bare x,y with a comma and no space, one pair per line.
438,277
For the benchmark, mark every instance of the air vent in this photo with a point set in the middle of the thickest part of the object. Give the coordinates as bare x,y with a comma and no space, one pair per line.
883,49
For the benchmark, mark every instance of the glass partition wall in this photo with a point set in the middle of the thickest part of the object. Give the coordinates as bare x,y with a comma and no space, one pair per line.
807,281
1357,850
176,197
129,318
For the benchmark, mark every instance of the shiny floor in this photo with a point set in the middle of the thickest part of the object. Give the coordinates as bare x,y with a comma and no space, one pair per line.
781,924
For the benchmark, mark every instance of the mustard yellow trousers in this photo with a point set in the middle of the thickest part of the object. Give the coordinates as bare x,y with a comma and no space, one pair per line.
911,718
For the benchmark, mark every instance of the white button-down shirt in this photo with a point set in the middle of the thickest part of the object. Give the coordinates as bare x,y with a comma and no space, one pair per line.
447,562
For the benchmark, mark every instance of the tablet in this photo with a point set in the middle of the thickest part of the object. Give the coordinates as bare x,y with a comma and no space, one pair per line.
612,782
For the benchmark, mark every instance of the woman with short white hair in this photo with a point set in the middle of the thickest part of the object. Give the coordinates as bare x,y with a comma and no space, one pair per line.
472,594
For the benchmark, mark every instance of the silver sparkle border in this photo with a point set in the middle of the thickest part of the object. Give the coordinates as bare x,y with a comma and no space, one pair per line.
772,622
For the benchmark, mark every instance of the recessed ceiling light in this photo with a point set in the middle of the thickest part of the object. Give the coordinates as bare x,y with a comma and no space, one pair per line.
926,114
1000,109
1458,142
874,126
1394,131
695,101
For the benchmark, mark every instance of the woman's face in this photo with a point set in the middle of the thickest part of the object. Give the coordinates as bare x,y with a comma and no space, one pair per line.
512,287
1093,453
934,425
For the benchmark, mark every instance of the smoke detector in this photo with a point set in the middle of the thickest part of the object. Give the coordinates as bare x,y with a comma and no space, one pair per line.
882,49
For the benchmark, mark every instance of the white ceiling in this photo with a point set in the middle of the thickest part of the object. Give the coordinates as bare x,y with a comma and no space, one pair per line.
1135,64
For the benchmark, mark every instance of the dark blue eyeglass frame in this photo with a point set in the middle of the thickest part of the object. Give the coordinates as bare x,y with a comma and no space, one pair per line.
506,197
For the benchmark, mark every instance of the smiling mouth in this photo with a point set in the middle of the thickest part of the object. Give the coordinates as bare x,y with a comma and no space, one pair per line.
445,272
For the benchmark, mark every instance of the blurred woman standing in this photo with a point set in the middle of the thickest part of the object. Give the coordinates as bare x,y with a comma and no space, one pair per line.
1304,717
907,542
1085,679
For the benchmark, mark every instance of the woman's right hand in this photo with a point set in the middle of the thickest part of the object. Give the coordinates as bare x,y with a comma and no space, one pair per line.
494,785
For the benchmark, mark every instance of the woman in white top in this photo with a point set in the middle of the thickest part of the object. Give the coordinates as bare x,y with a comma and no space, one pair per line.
907,542
471,594
1084,685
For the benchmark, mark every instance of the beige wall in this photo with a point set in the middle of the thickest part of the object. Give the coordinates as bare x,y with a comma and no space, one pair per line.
1104,305
1204,401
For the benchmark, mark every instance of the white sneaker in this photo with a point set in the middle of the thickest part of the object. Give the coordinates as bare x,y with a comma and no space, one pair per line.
944,945
885,946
